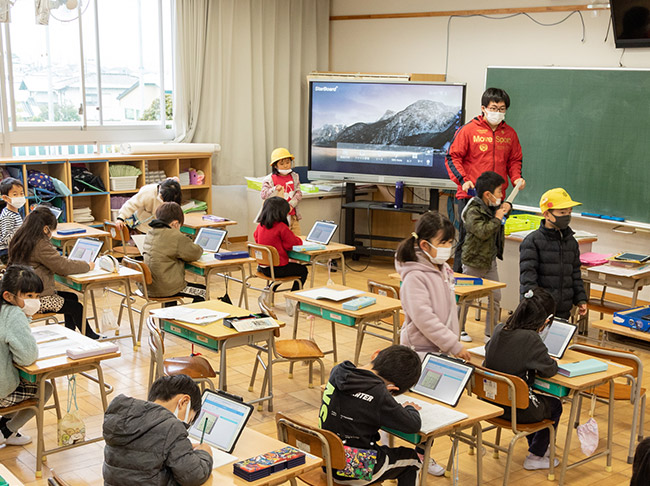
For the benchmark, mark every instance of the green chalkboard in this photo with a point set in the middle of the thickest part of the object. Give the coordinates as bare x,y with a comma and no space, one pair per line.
586,130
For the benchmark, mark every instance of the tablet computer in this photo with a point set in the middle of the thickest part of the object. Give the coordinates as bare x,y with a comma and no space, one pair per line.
86,249
210,239
443,378
322,232
632,257
224,417
557,337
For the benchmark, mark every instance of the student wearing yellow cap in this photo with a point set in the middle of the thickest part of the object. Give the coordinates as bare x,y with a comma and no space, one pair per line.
285,183
550,257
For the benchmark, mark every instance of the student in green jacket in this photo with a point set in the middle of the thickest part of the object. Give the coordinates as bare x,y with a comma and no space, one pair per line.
166,250
483,219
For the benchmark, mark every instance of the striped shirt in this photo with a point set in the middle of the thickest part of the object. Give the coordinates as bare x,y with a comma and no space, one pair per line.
9,224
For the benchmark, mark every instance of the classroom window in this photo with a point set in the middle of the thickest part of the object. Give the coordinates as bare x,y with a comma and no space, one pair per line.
104,65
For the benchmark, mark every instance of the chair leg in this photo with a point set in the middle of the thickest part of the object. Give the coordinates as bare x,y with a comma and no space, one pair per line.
322,371
641,418
497,441
450,462
551,472
334,354
311,374
579,408
633,428
255,365
511,449
57,404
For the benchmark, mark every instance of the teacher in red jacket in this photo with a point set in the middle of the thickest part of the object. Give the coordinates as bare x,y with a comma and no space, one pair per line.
486,143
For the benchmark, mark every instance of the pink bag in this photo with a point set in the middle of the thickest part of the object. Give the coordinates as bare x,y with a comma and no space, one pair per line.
592,259
588,432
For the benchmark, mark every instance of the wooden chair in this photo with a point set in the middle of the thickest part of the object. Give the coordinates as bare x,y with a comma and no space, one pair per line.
48,317
267,255
512,392
196,367
287,350
120,239
322,443
143,294
632,390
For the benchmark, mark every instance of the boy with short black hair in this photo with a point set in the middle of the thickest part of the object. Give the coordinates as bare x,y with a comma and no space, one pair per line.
357,402
550,256
484,239
12,192
147,441
166,250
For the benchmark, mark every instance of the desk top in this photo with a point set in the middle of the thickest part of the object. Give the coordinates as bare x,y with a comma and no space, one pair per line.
196,221
382,306
464,290
329,248
608,325
90,232
577,382
46,365
622,272
252,443
475,409
216,330
92,277
212,262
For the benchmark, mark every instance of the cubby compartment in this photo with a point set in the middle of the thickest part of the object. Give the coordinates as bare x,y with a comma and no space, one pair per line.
199,193
167,165
99,205
202,164
119,185
98,168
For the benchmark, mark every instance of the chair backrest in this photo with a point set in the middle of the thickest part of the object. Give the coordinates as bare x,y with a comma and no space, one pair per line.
142,267
265,255
322,443
501,389
117,234
156,346
382,289
626,358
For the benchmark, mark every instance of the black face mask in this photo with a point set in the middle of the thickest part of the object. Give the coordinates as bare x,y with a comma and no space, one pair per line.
562,222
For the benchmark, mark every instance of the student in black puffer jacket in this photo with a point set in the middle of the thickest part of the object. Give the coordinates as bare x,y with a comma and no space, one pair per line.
550,257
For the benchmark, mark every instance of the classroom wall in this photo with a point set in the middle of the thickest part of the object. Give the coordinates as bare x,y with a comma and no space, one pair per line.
419,45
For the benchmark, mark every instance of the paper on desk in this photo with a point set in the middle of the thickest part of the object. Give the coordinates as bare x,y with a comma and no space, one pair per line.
191,316
578,234
92,273
433,416
219,457
330,294
139,242
207,258
620,271
44,335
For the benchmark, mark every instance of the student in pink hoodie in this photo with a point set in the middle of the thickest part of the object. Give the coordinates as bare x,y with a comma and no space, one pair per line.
427,293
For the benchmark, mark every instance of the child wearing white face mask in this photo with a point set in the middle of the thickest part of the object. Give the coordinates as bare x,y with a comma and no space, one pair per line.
147,441
483,218
13,196
427,293
285,183
19,291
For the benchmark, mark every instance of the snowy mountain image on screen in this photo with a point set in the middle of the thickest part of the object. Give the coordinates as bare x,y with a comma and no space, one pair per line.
422,123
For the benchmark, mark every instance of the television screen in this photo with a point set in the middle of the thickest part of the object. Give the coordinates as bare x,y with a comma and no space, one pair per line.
631,21
383,132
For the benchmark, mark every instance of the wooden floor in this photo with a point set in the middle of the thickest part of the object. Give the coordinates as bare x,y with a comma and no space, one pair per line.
128,374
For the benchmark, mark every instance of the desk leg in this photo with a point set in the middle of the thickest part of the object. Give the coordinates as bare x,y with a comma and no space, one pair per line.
396,326
84,312
425,461
479,453
222,367
296,314
102,385
40,444
491,310
567,443
92,300
127,291
357,347
610,423
207,284
342,269
312,271
269,368
243,293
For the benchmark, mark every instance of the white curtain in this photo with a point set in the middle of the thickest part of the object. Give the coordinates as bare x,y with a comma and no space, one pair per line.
191,28
254,91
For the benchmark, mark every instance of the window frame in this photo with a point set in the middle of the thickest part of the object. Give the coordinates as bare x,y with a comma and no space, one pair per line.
80,133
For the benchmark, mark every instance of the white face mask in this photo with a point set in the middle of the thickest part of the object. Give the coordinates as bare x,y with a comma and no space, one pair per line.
494,117
496,203
18,202
31,306
186,422
442,255
285,171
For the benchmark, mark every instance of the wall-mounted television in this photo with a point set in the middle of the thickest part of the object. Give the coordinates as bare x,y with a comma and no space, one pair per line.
383,132
631,22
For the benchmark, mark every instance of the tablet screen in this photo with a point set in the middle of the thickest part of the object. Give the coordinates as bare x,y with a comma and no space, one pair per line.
321,232
86,250
635,257
557,337
210,239
443,379
224,419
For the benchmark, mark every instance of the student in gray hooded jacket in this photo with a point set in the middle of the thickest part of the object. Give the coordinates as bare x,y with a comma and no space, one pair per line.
147,441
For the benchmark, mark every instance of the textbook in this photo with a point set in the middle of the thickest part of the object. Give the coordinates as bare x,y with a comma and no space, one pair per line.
330,294
584,367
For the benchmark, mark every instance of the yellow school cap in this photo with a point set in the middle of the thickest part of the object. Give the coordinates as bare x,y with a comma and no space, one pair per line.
556,198
279,154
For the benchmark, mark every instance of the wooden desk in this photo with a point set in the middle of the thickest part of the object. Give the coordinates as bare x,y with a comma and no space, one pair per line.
610,276
577,385
208,265
9,477
335,313
86,284
47,369
334,251
606,326
65,241
252,443
217,337
194,222
467,293
476,410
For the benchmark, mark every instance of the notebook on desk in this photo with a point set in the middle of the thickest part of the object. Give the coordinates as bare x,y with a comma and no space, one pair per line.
433,416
